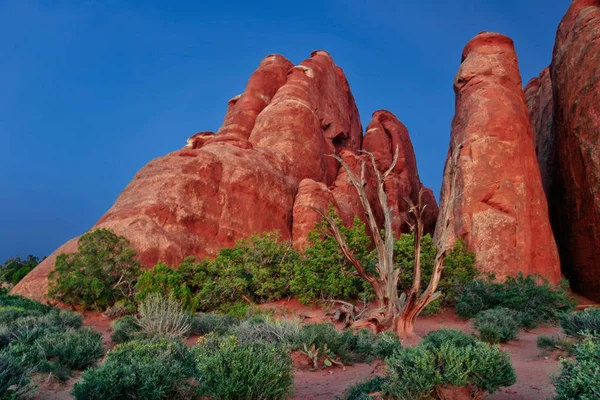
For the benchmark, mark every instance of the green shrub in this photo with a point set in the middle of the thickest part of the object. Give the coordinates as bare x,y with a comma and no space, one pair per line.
102,272
349,347
228,370
324,272
580,379
167,282
555,343
534,298
15,269
74,349
459,268
120,309
259,268
454,337
386,344
578,323
362,390
159,315
10,301
497,325
14,376
267,330
325,338
126,329
417,372
205,323
146,370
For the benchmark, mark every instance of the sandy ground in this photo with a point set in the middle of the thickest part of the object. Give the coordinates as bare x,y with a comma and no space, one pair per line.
532,366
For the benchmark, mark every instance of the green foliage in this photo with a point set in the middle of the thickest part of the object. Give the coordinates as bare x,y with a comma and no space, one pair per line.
42,339
361,391
497,325
145,370
259,269
163,316
269,330
552,343
459,268
534,298
74,349
205,323
14,376
580,379
417,372
347,346
165,281
126,329
454,337
102,272
120,309
324,272
582,322
15,269
325,338
228,370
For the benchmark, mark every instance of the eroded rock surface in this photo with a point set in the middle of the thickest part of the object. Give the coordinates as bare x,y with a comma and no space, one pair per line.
492,191
575,75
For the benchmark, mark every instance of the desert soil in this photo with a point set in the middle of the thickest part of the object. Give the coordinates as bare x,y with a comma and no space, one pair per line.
533,367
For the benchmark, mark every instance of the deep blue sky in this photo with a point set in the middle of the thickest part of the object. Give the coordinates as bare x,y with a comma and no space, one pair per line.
90,91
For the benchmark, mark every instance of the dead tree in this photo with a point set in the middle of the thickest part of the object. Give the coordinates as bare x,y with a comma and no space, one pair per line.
395,311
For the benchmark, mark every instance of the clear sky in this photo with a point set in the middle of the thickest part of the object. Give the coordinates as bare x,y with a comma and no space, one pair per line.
91,90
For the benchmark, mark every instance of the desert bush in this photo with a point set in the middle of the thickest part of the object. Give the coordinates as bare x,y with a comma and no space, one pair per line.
126,329
496,325
579,323
362,390
266,330
10,301
160,315
580,378
533,297
145,370
15,269
103,271
459,268
324,272
417,372
205,323
436,339
167,282
347,346
14,376
74,349
555,343
229,370
258,268
325,338
120,309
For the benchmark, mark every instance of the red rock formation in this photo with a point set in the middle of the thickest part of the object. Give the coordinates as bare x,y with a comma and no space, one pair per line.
270,153
384,135
575,74
311,115
492,191
310,194
262,86
538,94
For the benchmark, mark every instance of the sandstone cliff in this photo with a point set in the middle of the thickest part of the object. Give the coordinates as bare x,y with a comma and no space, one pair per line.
492,191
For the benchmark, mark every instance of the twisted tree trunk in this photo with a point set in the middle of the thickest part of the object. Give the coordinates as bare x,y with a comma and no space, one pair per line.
395,311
